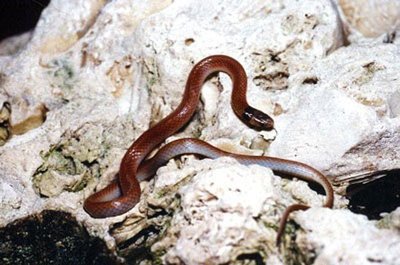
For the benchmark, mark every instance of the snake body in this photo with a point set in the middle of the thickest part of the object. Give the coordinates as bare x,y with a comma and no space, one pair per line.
122,195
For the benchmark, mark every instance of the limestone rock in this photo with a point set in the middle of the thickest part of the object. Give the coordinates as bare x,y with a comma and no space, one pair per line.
347,249
371,18
85,84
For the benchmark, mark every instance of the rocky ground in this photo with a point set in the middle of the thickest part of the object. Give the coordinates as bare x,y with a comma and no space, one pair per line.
93,75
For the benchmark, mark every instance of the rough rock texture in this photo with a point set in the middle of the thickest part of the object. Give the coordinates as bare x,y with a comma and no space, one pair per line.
335,246
372,18
356,88
227,216
84,84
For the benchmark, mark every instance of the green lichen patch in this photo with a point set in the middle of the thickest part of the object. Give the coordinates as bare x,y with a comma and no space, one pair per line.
68,165
63,77
81,156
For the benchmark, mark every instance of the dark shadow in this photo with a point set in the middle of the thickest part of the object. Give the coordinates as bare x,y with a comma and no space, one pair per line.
18,16
51,237
251,258
379,196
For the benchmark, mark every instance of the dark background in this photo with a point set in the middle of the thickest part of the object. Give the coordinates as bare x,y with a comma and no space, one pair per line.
18,16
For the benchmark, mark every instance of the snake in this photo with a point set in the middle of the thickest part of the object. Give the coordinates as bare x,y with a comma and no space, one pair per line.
123,194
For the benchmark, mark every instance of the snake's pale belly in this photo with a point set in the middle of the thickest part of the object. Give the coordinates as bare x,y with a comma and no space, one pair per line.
122,195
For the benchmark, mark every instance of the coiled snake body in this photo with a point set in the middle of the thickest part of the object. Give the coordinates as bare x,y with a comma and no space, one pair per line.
121,196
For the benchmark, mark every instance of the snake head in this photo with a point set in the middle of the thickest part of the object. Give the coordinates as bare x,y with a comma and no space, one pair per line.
257,119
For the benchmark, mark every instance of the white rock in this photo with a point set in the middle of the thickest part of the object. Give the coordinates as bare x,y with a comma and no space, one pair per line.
110,69
356,123
221,212
371,18
9,197
341,237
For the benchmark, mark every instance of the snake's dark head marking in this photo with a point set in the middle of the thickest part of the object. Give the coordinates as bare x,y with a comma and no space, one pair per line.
257,120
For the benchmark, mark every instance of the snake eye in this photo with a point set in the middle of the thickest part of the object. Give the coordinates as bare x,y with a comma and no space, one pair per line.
257,120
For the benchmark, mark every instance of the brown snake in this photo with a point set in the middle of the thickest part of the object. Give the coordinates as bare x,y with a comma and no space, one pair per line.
122,195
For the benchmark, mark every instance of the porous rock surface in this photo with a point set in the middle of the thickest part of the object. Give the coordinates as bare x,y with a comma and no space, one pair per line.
89,82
